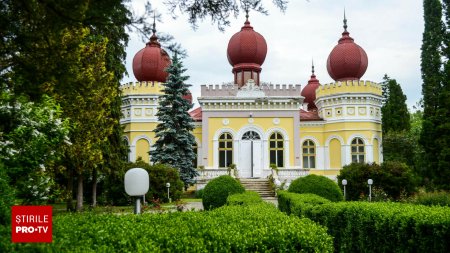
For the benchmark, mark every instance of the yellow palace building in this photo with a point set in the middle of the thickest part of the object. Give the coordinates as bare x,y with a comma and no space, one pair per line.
252,124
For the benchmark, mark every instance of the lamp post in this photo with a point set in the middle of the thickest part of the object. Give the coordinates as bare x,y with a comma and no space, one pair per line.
344,183
168,192
136,184
370,182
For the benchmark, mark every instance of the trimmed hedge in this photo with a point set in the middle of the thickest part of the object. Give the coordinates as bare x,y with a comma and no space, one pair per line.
244,199
199,194
378,227
318,185
287,199
216,192
254,228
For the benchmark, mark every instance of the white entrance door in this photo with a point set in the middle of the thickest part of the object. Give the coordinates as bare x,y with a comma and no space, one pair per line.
250,155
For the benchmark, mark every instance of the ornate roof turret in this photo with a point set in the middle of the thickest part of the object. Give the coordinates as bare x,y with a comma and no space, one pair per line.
309,92
150,63
347,60
246,52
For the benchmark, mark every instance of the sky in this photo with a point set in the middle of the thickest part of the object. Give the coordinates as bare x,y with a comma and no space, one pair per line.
390,31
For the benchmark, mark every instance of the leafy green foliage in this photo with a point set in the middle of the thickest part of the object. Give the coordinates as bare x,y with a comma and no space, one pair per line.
287,199
400,147
113,189
437,198
7,199
199,193
395,115
217,191
393,178
174,138
244,199
31,139
435,135
379,227
318,185
253,228
218,11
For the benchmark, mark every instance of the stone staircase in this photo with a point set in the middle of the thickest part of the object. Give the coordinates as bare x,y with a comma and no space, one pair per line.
259,185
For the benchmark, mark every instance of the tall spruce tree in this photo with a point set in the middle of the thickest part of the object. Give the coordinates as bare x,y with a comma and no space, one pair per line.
435,136
395,114
174,138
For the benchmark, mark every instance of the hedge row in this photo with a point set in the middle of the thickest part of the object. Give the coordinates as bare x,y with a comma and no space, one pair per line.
286,200
253,228
377,227
244,199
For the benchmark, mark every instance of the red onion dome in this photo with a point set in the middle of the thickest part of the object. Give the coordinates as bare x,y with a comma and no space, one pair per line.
347,60
150,63
188,97
247,47
309,92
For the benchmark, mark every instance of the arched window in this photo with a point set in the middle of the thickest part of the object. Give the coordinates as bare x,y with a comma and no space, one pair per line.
276,149
251,135
195,161
309,154
225,150
358,150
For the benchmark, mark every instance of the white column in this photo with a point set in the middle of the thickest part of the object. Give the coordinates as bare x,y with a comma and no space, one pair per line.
320,158
326,160
369,153
346,157
132,153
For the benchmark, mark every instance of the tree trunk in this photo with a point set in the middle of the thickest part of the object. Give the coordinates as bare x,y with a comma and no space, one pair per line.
69,199
80,193
94,188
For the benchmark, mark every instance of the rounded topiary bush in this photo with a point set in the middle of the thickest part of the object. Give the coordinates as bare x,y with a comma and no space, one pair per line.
217,191
318,185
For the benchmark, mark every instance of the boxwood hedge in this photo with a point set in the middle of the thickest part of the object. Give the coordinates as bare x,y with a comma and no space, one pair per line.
252,228
319,185
377,227
246,198
216,192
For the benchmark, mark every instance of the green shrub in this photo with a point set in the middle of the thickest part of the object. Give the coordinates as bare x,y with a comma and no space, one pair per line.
286,200
217,191
7,197
318,185
6,201
199,193
254,228
244,199
440,198
159,175
379,227
392,178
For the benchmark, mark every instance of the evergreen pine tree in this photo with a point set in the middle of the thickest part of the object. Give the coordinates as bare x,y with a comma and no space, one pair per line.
435,136
395,114
174,138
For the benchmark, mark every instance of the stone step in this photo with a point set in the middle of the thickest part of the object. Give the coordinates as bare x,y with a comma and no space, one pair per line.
259,185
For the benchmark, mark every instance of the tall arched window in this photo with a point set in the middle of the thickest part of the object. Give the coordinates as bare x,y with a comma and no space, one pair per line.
195,161
225,150
276,149
358,154
309,154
